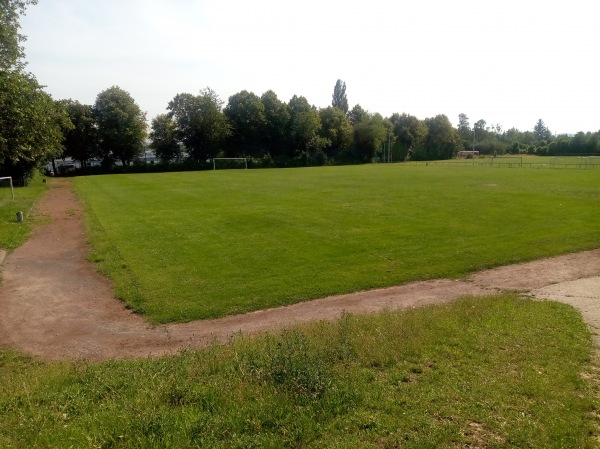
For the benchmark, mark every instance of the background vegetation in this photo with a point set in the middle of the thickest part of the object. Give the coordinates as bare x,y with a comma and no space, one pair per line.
183,246
35,130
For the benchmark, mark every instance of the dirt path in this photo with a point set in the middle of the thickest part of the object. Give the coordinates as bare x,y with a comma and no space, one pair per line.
54,305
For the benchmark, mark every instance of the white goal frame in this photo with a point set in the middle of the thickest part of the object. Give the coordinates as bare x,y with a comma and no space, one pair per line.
229,159
467,153
12,190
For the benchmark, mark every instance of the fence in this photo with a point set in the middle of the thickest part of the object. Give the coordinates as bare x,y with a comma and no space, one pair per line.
558,162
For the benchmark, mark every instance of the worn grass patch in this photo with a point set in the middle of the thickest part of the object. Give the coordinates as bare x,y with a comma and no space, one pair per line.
480,372
184,246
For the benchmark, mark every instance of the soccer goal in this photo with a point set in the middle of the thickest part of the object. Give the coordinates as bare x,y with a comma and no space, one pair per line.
467,154
6,182
230,164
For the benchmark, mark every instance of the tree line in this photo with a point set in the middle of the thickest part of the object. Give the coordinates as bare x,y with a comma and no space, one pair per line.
35,129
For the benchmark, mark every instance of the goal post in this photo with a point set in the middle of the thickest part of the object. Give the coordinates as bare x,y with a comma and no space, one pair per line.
215,159
9,179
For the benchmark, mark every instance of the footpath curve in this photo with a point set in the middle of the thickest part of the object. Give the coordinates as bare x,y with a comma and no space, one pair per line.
54,305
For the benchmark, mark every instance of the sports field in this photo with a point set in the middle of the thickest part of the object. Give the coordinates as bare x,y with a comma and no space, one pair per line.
183,246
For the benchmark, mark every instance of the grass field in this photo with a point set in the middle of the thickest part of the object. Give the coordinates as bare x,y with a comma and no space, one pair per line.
492,373
183,246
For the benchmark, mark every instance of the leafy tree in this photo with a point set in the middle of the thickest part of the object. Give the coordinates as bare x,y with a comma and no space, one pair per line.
479,130
163,136
464,130
442,139
31,124
410,132
201,125
11,50
541,132
339,99
337,130
304,127
81,141
121,126
369,133
277,120
246,115
357,114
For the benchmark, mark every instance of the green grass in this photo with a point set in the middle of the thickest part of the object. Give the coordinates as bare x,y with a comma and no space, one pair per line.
183,246
12,233
495,372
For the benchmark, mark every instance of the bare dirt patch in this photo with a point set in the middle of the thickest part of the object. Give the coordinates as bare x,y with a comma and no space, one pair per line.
54,305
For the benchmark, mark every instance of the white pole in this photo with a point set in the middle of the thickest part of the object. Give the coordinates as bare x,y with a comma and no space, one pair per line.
12,191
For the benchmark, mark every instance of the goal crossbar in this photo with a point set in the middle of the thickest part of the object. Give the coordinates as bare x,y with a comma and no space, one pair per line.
229,159
12,190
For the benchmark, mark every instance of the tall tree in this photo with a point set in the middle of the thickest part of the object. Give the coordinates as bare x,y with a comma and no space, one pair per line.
11,49
121,126
441,141
304,127
339,99
80,142
201,125
369,133
336,128
410,132
31,125
464,130
479,130
541,131
356,114
163,136
246,115
277,119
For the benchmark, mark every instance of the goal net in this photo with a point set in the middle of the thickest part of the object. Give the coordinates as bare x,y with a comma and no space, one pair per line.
229,162
507,161
7,191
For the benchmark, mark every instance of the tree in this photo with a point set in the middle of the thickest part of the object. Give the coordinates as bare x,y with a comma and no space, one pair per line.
246,115
304,127
357,114
441,141
11,50
81,141
31,124
201,125
121,126
277,119
369,133
464,130
163,136
410,132
339,99
541,132
479,130
336,128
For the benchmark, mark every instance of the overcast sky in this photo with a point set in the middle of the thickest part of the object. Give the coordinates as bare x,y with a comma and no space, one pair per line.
508,62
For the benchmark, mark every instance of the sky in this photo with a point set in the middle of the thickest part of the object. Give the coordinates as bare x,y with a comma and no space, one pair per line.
507,62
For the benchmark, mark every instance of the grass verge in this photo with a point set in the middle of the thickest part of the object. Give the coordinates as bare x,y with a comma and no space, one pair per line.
479,372
12,233
185,246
